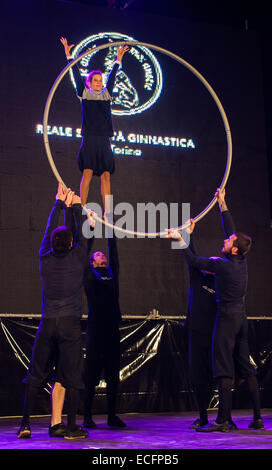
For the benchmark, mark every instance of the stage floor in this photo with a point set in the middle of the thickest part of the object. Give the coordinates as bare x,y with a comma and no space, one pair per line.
144,431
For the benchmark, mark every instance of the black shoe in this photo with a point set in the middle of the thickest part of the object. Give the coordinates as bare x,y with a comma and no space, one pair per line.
213,427
58,430
197,423
116,422
232,425
89,423
24,432
77,433
257,424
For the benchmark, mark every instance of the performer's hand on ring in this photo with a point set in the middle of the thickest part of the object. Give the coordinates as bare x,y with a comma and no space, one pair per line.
69,198
91,219
191,228
76,199
174,234
61,194
220,195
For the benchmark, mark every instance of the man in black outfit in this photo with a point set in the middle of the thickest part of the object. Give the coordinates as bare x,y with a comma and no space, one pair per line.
199,322
230,336
62,264
101,285
200,319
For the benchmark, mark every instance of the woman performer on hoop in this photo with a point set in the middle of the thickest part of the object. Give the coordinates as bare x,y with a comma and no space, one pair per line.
95,154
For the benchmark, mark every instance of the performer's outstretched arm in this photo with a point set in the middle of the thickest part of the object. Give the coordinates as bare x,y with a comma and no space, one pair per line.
80,85
226,218
69,219
192,270
214,265
111,79
74,219
113,256
79,219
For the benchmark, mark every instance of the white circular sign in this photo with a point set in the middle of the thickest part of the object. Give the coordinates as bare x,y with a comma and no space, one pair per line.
128,97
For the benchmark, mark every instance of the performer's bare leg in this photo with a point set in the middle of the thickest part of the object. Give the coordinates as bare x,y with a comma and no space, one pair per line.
85,185
106,190
57,401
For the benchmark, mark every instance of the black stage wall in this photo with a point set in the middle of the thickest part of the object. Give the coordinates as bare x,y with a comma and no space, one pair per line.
152,275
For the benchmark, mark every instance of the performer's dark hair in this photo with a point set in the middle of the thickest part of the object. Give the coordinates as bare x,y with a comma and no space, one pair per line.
61,239
91,259
243,242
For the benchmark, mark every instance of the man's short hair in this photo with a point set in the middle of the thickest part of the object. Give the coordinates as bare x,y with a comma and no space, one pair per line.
61,239
243,242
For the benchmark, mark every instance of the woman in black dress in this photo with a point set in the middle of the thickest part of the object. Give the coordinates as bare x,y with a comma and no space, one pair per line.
95,155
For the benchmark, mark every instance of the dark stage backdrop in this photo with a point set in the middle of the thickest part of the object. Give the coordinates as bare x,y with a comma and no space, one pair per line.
147,383
169,171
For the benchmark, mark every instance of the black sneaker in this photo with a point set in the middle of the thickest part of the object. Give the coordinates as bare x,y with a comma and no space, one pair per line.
116,422
213,427
89,423
257,424
77,433
58,430
24,432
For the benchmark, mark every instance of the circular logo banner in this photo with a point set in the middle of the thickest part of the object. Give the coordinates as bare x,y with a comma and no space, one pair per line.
138,82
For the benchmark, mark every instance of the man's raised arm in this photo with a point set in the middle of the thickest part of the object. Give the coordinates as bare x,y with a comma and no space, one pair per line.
79,219
226,218
214,265
53,219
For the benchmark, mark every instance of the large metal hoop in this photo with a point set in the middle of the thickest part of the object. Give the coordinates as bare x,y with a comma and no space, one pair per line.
196,73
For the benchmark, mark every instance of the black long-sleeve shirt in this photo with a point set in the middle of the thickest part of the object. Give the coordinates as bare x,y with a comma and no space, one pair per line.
102,290
96,106
62,275
101,284
230,273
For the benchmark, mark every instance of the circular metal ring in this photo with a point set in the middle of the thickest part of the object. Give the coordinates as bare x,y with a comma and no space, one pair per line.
196,73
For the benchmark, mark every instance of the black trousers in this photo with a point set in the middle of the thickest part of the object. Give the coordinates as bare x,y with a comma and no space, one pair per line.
230,347
102,357
200,367
102,354
57,340
231,358
200,357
